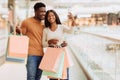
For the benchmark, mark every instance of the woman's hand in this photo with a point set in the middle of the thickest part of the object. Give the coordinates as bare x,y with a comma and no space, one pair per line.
53,41
70,16
64,44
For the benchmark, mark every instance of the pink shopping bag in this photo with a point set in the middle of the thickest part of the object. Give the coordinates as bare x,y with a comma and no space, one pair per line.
69,57
50,59
18,46
67,63
64,73
60,66
64,70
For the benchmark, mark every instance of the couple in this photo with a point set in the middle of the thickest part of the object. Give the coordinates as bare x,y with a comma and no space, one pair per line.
40,37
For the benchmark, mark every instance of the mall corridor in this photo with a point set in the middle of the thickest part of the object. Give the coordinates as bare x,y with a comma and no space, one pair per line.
93,38
91,52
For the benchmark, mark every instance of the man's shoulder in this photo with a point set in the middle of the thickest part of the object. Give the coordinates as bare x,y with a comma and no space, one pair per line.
28,19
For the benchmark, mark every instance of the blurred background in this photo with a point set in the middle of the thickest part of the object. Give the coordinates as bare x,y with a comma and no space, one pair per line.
88,12
96,35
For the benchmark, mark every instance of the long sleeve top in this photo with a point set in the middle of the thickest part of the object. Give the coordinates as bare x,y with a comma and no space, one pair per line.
57,34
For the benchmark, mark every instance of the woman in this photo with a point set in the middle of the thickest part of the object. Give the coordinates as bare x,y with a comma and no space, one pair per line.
53,33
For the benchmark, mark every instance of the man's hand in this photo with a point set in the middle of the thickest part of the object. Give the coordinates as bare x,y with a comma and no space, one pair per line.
17,30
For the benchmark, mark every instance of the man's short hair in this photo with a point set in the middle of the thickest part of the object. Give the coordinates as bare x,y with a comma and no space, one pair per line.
39,5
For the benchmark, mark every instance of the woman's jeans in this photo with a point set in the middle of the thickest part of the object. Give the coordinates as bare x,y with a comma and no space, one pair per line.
33,72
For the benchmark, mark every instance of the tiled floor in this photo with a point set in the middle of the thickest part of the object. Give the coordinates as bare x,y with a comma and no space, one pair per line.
14,71
17,71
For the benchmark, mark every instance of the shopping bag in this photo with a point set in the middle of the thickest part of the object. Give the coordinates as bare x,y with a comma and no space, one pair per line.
68,62
68,55
63,76
64,71
50,59
59,73
18,46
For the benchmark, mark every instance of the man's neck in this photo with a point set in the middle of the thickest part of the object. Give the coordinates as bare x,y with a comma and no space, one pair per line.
37,19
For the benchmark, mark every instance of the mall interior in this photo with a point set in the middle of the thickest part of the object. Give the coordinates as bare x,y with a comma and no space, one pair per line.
94,43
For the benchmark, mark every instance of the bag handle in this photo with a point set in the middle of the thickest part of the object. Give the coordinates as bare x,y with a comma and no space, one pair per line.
21,32
14,32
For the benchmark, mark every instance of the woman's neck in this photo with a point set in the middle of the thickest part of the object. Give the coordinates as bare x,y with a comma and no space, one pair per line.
53,26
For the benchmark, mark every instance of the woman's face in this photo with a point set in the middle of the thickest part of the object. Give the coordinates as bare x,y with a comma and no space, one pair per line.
51,17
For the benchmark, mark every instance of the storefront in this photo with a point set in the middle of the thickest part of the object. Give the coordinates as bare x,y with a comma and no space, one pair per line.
3,30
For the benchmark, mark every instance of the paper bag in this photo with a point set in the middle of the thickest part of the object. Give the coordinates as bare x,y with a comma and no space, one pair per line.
50,59
59,72
18,46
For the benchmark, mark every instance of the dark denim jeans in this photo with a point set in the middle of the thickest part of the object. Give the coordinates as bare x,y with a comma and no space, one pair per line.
33,72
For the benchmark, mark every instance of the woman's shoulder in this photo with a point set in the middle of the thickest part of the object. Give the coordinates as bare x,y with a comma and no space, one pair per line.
61,25
45,29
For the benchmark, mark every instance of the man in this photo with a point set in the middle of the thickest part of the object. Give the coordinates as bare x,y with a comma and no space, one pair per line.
33,28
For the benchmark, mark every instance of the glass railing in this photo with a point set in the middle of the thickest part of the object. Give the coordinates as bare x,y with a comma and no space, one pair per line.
98,56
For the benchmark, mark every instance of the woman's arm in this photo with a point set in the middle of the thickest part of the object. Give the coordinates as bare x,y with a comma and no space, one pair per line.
71,17
44,39
67,29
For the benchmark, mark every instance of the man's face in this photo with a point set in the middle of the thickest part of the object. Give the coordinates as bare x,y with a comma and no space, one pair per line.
40,13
